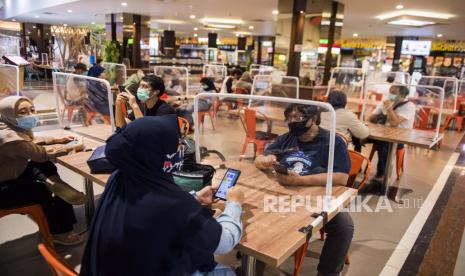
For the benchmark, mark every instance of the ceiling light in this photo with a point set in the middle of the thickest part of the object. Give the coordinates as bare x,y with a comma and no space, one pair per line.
275,12
195,35
439,35
251,27
70,11
414,13
92,23
327,22
221,26
355,35
169,21
196,29
222,21
36,16
124,4
301,12
66,25
14,20
34,27
237,35
192,16
121,18
399,7
411,22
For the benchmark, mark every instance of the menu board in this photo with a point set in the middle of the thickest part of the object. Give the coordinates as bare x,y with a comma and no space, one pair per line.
438,61
430,61
447,62
457,61
15,60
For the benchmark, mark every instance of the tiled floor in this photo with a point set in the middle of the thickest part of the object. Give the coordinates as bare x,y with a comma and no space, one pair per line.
377,234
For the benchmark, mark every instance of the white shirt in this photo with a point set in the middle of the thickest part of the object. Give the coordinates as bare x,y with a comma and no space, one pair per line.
347,124
406,111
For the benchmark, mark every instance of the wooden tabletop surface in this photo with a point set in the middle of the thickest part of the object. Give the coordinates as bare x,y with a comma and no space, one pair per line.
413,137
97,131
77,162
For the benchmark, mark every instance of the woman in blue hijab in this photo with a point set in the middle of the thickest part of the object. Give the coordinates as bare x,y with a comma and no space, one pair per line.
145,224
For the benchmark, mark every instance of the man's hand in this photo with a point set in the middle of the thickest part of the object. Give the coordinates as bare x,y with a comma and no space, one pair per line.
291,179
388,104
64,139
131,99
205,196
265,162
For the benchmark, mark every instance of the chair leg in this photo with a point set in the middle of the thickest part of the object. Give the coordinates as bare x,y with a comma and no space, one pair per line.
244,148
372,153
212,115
400,162
447,121
459,121
322,234
299,257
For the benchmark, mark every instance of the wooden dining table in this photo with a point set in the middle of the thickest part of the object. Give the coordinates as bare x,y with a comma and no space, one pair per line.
270,236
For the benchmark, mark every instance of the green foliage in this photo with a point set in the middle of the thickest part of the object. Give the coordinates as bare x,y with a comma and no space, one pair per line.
112,52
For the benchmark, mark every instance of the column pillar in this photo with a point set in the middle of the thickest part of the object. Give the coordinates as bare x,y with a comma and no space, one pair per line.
331,32
397,53
297,36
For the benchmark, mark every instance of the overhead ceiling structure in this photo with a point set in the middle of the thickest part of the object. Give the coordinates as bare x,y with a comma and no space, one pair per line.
368,18
225,17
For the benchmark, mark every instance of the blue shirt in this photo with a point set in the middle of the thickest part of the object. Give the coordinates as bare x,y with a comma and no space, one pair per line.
306,158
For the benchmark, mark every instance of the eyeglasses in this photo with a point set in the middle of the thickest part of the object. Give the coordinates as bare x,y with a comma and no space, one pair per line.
297,119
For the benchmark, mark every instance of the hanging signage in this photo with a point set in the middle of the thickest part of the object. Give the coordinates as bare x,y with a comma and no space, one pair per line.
360,43
448,46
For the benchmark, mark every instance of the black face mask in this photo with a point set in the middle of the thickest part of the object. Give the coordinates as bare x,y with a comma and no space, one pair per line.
298,128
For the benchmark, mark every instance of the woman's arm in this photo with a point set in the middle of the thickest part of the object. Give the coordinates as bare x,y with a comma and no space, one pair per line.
231,225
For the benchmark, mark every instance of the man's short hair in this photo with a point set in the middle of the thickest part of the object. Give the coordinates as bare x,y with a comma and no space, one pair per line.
403,90
156,83
80,66
337,99
308,111
237,72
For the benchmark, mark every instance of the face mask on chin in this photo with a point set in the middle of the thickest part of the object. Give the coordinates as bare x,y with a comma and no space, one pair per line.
298,128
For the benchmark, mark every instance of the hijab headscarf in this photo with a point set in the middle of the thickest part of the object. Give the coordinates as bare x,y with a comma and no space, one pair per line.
246,77
145,224
208,82
9,130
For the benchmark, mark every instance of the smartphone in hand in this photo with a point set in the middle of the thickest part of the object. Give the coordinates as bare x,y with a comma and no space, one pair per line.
280,168
229,180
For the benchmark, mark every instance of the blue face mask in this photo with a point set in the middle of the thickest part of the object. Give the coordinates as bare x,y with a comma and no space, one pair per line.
27,122
143,94
392,97
173,162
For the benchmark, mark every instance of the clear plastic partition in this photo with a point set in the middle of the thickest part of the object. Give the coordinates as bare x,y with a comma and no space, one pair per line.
450,86
116,72
9,80
84,105
216,72
460,106
176,79
349,80
240,135
423,110
389,77
318,93
276,86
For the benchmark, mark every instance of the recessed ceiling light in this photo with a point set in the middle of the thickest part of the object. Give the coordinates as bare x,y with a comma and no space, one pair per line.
36,16
411,22
355,35
121,18
251,27
414,13
192,16
275,12
92,23
196,29
301,12
169,21
14,20
195,35
70,11
222,21
34,27
28,32
399,7
66,25
237,35
221,26
439,35
124,4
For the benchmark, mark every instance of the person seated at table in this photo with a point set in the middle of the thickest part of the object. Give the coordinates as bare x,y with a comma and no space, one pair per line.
244,84
205,104
145,224
347,123
304,151
96,69
27,175
395,111
97,94
75,95
151,88
228,83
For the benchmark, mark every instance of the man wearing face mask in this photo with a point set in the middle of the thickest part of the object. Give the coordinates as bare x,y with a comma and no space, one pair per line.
304,151
395,111
147,103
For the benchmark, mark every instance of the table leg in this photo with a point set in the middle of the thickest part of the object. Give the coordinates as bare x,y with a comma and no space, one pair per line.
248,265
90,205
394,192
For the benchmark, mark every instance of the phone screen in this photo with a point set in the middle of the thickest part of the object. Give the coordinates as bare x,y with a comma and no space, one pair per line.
229,180
72,143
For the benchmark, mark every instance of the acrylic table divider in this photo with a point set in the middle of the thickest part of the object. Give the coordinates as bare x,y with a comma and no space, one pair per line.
116,72
10,84
175,78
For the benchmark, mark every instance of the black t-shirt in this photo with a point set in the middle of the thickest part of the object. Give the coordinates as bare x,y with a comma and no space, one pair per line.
159,109
306,158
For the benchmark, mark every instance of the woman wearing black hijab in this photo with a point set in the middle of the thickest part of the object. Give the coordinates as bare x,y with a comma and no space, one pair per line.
145,224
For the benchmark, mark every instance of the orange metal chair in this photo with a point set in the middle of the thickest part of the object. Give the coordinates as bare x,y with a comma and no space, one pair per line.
422,121
183,125
459,119
356,164
210,113
259,138
400,153
35,212
55,262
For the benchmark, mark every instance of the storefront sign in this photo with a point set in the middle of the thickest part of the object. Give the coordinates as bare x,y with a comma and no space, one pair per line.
360,43
448,46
